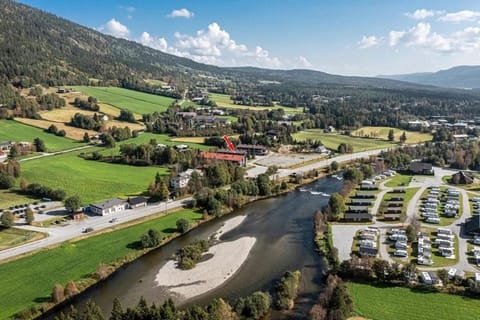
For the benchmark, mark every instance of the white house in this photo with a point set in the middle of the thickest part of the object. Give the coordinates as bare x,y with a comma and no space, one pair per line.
182,179
108,207
3,156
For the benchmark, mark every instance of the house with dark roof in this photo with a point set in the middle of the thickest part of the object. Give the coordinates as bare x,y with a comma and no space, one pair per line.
240,159
462,177
253,149
108,207
361,216
471,226
418,167
367,251
137,202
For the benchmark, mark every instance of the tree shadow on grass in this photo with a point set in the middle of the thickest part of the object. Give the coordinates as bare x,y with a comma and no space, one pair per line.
135,245
42,299
169,230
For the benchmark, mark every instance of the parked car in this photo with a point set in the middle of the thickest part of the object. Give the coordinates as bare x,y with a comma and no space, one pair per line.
88,229
400,253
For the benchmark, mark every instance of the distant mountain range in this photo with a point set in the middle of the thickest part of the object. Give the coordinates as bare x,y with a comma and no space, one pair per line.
39,47
463,77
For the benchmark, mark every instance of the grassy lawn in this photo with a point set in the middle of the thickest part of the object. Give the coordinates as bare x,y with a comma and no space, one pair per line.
387,303
161,138
134,101
407,196
382,133
16,131
223,100
12,237
333,140
398,180
72,261
91,180
8,199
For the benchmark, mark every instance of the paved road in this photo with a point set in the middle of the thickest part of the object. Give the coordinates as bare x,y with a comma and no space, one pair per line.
48,154
60,234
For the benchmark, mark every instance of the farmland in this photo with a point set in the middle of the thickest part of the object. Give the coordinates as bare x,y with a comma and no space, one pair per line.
382,133
223,100
16,131
73,261
91,180
333,140
138,102
385,303
12,237
9,198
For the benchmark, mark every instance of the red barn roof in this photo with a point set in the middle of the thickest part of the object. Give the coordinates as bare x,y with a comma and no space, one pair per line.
223,156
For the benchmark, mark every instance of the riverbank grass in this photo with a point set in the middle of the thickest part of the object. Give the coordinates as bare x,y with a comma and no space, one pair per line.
74,261
385,303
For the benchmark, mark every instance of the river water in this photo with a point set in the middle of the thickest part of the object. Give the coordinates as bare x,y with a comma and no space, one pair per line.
283,227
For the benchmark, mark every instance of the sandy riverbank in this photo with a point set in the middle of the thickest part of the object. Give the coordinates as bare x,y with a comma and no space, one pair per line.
227,258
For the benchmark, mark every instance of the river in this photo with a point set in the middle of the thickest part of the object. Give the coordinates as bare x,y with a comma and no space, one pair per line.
283,228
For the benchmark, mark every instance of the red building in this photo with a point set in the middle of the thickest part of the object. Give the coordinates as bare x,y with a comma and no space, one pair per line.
240,159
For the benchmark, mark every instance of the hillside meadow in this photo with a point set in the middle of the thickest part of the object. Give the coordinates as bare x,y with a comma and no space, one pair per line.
135,101
382,133
73,261
223,100
91,180
387,303
333,140
11,130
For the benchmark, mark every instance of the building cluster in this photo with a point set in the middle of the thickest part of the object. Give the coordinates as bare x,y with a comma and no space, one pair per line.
204,120
398,238
368,242
6,146
393,209
424,249
445,241
112,206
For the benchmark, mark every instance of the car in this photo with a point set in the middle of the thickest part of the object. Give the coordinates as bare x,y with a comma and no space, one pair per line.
113,220
87,230
400,253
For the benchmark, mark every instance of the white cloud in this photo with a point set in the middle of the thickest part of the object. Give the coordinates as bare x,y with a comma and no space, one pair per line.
304,62
368,42
181,13
421,14
115,28
421,35
130,9
459,16
214,46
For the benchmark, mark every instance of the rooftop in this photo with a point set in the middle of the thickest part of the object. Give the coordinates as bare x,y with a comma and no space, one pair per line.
108,204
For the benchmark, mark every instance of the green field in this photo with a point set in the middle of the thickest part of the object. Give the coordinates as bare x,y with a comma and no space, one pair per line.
36,275
382,133
135,101
388,303
147,136
223,100
333,140
9,198
11,130
399,180
13,237
91,180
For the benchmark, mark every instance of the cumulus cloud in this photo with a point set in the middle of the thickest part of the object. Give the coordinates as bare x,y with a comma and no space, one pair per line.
368,42
304,62
181,13
421,14
214,46
421,35
460,16
115,28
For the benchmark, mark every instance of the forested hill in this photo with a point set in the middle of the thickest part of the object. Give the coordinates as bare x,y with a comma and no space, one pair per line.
38,47
456,77
51,50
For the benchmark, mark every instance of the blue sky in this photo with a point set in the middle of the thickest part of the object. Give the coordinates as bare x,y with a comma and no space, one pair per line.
350,37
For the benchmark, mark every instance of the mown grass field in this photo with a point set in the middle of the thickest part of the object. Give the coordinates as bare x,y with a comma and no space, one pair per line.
399,180
12,237
387,303
30,280
16,131
382,133
333,140
192,142
223,100
134,101
8,199
91,180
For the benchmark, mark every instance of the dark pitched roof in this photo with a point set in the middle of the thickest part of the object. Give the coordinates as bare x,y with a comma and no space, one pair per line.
108,204
418,166
137,200
472,225
365,251
251,146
